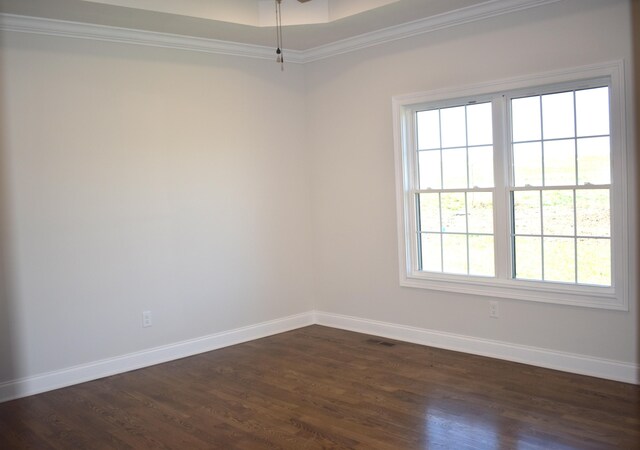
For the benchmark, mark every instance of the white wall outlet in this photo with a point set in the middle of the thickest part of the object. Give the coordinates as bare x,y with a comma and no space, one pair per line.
146,318
493,310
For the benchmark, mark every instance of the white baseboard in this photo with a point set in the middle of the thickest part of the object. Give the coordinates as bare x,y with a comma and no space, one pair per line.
566,362
111,366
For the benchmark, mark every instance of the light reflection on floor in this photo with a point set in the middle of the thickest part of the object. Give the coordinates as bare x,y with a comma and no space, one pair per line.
461,430
450,424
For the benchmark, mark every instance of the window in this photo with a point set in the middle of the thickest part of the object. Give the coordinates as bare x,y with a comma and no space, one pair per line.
455,198
560,190
516,189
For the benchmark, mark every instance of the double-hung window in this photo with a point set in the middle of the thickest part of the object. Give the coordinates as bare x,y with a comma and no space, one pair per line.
516,189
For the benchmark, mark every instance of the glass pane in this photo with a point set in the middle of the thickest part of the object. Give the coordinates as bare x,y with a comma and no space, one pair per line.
428,129
559,259
593,161
454,130
480,212
592,111
525,117
526,211
560,163
594,261
481,260
557,213
454,168
481,167
454,253
429,212
454,218
429,168
431,254
479,124
593,212
527,164
528,256
557,116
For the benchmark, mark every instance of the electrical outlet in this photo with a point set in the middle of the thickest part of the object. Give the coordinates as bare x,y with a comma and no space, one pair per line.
146,318
493,310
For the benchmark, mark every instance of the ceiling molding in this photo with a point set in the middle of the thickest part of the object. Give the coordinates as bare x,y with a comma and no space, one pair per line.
421,26
78,30
61,28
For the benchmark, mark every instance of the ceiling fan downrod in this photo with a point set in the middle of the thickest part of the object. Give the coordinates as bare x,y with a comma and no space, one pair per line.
279,54
279,48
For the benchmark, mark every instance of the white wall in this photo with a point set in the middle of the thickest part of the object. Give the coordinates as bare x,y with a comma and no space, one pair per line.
219,192
350,133
137,178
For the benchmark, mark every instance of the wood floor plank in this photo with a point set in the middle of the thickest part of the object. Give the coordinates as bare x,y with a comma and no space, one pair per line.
318,387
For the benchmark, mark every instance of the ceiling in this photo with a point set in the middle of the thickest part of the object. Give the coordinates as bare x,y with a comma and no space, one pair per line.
256,12
241,21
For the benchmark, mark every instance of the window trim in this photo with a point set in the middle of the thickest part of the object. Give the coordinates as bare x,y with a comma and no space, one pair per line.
404,107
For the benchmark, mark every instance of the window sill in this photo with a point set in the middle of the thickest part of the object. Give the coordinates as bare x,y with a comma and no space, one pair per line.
544,292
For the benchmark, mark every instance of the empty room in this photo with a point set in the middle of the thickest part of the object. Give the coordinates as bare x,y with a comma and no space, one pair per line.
358,224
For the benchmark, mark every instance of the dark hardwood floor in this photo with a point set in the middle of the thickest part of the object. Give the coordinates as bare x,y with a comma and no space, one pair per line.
319,387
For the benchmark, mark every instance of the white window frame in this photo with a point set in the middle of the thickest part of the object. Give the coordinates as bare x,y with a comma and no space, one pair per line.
503,286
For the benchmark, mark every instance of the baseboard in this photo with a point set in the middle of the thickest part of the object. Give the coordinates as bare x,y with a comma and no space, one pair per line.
566,362
86,372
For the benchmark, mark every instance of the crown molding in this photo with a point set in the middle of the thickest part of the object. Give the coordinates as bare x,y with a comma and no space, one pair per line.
78,30
422,26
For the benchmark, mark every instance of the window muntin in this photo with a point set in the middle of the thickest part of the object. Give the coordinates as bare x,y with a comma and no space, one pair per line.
604,290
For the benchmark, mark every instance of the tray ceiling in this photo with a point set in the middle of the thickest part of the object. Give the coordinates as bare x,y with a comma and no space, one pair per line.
242,21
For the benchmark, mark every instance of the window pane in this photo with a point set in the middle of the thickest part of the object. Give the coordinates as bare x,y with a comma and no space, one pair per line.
454,168
527,164
454,218
429,212
479,124
428,129
481,261
481,167
557,116
454,253
525,116
559,259
594,261
526,211
454,130
593,213
560,163
528,256
480,212
592,111
557,213
429,168
431,252
593,161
